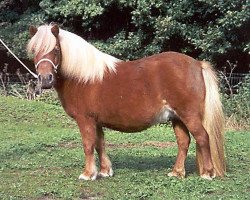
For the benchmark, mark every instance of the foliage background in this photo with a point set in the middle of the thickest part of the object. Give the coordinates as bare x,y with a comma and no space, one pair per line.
128,29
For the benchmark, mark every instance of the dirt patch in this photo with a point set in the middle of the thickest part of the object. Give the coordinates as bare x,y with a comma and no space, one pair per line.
46,197
73,144
160,144
70,144
90,197
145,144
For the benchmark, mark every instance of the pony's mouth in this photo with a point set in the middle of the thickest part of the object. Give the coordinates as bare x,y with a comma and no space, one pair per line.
46,81
46,86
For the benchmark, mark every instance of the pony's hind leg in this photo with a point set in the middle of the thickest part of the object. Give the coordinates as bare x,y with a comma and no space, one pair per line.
196,128
183,141
88,133
105,164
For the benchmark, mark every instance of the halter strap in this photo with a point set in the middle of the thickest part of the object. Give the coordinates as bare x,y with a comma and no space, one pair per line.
48,60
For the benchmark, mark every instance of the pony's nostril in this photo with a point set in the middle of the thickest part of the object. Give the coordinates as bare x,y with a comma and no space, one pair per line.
39,78
50,78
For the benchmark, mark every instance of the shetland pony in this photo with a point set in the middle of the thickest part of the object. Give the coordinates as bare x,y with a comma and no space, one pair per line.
99,90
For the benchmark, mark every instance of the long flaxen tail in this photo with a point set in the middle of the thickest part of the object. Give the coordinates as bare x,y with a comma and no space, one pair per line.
213,120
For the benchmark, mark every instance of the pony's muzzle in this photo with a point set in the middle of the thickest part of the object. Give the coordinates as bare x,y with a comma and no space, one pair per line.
46,81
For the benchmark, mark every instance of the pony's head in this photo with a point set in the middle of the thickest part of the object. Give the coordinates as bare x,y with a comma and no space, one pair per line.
45,47
78,60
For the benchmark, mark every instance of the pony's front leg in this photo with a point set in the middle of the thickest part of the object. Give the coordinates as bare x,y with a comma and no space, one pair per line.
183,141
88,132
105,164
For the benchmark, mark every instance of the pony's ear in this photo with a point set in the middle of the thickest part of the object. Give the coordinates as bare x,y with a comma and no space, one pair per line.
55,30
32,30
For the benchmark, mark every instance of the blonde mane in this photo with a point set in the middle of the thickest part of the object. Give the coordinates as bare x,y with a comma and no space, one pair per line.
80,60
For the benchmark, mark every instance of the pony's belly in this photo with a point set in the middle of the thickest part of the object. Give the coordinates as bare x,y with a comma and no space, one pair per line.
142,121
127,128
129,122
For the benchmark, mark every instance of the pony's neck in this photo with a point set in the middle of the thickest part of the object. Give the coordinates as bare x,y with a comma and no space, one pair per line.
82,61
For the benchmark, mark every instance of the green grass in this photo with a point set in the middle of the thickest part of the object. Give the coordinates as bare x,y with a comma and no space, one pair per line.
41,157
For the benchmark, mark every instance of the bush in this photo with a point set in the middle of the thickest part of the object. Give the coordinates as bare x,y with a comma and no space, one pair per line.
212,30
16,90
237,106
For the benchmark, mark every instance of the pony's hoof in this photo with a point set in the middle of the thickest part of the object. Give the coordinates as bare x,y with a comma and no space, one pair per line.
176,174
88,178
208,177
106,174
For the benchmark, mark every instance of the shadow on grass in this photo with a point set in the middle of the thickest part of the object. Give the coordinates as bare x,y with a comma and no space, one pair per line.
145,163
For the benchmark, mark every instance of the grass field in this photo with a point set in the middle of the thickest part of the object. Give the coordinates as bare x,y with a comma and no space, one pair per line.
41,158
